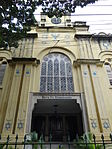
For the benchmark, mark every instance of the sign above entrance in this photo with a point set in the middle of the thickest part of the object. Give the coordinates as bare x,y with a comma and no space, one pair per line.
57,96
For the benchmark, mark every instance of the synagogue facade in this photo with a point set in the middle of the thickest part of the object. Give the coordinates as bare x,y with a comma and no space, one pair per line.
57,82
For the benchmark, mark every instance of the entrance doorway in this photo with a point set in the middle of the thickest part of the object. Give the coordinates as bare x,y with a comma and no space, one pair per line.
56,127
60,121
38,125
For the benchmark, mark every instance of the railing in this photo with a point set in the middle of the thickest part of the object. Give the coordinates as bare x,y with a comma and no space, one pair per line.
84,143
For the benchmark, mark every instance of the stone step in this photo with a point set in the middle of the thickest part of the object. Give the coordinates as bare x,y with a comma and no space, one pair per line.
53,146
61,146
109,146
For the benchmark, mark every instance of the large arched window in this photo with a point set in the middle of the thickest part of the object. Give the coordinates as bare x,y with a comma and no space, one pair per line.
109,72
56,74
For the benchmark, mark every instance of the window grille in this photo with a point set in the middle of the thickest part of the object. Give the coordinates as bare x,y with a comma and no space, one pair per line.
56,74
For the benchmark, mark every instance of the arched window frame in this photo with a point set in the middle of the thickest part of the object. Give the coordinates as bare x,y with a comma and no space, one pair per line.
109,72
3,64
56,80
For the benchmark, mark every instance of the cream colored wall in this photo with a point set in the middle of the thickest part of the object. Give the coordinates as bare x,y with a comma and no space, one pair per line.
88,49
5,91
89,77
13,100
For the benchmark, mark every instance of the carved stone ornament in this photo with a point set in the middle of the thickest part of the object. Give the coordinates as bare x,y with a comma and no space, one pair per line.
94,124
106,125
17,71
20,125
85,73
8,125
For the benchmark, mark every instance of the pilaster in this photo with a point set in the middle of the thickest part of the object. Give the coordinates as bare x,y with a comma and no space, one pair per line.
8,127
89,99
23,105
98,93
5,92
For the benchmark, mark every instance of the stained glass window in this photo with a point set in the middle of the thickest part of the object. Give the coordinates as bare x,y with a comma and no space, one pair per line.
56,74
56,66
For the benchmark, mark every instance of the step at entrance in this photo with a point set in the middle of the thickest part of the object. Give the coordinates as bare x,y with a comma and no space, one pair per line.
53,146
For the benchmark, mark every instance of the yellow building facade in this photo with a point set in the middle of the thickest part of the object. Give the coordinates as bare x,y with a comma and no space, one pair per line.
58,81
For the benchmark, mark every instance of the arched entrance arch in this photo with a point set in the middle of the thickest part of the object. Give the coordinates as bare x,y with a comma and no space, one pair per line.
59,118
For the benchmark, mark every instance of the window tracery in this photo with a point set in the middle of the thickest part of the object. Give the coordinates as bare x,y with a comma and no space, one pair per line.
56,74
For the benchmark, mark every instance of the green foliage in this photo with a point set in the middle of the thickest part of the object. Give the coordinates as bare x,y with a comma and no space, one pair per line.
17,16
10,147
34,136
59,8
81,140
1,146
41,142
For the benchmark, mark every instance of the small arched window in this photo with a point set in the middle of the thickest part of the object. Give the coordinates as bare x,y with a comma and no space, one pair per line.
109,72
56,74
2,71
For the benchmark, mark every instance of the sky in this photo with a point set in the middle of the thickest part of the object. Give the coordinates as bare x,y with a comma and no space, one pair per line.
98,16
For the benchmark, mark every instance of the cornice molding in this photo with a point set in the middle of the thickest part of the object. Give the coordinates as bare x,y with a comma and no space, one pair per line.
88,61
23,60
93,36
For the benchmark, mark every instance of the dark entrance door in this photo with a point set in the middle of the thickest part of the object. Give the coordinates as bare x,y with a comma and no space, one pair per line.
74,126
59,127
56,128
60,118
38,125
